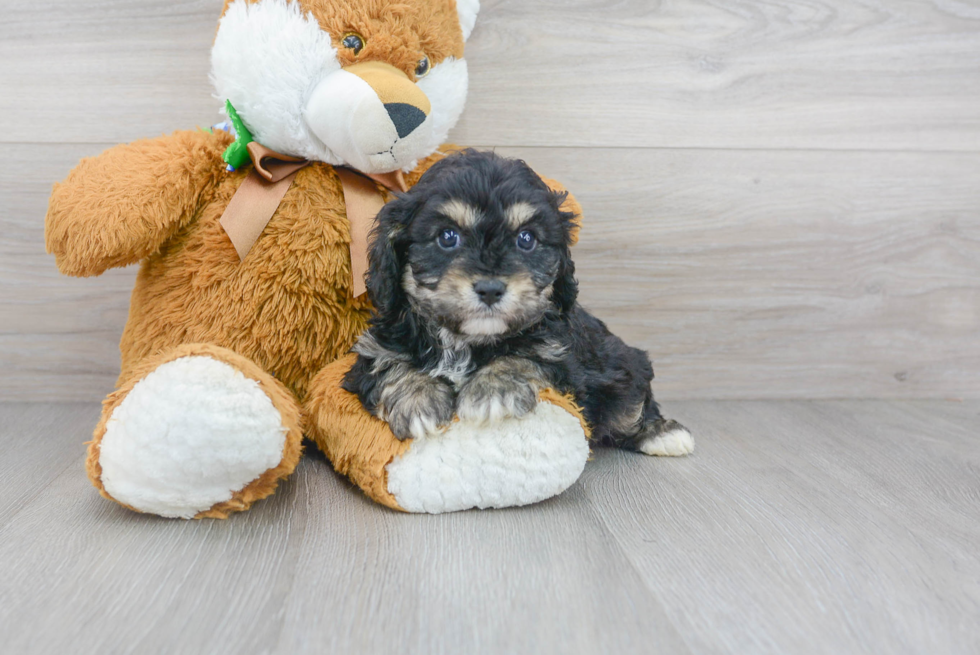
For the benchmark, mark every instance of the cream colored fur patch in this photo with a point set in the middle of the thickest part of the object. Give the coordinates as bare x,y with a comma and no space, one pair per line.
518,214
464,215
675,443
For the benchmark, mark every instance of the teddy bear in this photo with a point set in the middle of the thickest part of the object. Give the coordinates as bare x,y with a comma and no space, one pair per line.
251,244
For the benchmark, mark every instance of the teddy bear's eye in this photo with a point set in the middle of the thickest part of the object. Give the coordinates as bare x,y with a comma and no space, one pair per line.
422,69
353,42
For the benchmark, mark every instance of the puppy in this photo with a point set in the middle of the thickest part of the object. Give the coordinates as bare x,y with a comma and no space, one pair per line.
475,305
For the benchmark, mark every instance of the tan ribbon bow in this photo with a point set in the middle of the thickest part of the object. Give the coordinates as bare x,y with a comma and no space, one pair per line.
258,197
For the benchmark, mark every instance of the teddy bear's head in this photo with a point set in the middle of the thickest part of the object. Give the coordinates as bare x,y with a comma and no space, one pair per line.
372,84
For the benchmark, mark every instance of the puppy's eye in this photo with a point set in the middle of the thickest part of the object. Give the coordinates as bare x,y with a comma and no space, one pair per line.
448,239
353,41
526,241
423,67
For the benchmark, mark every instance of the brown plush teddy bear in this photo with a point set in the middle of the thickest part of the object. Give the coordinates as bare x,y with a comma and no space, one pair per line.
249,292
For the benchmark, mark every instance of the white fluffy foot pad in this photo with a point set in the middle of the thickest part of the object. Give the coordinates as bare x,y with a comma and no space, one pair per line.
517,461
188,436
667,439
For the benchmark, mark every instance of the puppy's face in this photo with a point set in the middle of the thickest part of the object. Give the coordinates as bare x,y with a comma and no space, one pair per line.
483,248
483,270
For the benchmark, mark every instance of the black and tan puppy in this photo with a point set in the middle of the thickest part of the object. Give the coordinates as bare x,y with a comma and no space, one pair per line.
474,290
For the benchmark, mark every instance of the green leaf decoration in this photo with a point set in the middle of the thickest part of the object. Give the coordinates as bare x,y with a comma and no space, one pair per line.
236,155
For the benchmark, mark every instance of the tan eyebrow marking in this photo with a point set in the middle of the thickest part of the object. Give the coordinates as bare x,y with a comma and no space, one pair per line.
464,215
518,214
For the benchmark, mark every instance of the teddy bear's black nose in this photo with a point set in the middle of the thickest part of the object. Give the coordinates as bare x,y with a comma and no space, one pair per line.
406,117
490,291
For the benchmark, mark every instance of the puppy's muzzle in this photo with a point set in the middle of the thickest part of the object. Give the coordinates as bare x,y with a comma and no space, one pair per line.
490,291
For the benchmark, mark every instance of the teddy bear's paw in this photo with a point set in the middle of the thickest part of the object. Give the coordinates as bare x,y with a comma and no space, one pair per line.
190,435
665,438
516,461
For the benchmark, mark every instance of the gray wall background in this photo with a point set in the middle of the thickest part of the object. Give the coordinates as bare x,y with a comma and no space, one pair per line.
782,198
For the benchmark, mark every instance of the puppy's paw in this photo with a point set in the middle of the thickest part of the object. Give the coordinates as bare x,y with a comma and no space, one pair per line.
665,438
417,406
495,393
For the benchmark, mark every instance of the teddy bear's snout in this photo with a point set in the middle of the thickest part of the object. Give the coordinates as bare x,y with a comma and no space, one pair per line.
372,116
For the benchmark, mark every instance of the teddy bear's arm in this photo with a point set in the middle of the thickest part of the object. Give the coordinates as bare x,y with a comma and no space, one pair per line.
570,204
118,207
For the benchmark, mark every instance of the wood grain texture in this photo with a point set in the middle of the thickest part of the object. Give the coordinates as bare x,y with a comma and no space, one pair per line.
803,527
744,274
784,274
824,74
781,201
768,210
27,463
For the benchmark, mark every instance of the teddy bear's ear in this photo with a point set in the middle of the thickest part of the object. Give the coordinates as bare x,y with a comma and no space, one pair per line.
228,3
467,11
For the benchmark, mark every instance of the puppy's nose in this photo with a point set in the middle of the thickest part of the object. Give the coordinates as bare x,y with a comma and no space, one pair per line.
490,291
406,117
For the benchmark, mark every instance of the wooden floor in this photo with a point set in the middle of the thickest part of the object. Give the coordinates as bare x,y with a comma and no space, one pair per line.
797,527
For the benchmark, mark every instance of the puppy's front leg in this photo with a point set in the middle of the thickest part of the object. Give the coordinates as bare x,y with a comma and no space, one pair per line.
505,387
414,403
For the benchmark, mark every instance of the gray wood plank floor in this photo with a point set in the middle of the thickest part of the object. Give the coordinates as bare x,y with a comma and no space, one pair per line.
797,527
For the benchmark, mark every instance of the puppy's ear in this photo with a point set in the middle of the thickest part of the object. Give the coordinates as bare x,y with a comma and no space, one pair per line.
565,288
386,257
566,202
569,220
